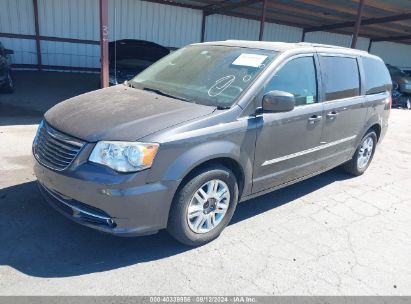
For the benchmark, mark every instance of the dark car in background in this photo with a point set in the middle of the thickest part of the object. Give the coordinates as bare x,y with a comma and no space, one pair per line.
128,57
6,78
400,100
401,78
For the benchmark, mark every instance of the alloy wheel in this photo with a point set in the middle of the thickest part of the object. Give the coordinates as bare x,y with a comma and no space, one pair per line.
208,206
365,153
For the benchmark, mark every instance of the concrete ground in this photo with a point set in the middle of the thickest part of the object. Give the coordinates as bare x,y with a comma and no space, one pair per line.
329,235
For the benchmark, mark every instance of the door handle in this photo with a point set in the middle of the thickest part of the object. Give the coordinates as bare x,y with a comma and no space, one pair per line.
332,115
313,119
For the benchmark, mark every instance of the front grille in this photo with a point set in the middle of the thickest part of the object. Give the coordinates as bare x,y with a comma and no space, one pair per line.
54,149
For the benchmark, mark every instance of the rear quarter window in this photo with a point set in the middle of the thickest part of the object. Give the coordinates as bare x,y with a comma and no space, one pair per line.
340,77
377,77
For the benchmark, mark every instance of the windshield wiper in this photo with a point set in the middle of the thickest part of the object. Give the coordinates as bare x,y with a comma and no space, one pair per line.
159,92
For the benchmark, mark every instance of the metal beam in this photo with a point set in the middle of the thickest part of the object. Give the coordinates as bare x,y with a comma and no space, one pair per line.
357,24
392,38
54,67
368,21
262,21
48,38
104,42
37,33
203,26
228,8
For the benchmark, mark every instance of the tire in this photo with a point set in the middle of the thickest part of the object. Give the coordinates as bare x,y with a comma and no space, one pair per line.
182,228
355,166
8,87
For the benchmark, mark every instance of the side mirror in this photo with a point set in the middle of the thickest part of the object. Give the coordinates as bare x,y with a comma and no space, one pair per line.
278,101
8,52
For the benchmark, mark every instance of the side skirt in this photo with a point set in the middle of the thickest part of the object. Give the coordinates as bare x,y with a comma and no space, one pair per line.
294,181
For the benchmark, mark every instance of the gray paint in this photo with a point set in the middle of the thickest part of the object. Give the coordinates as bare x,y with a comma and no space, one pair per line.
120,113
191,134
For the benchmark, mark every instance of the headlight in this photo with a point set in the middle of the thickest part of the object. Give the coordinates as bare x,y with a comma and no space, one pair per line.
124,156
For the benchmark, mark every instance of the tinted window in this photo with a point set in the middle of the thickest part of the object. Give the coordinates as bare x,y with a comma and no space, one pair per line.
297,77
377,78
341,78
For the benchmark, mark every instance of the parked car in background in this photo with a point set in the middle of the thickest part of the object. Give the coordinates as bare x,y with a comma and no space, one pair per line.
401,78
128,57
6,77
407,71
210,125
400,100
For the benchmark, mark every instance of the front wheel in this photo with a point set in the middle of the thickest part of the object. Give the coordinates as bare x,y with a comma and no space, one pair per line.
204,206
363,155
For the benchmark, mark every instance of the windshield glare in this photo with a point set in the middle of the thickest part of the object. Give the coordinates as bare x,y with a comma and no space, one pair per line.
208,75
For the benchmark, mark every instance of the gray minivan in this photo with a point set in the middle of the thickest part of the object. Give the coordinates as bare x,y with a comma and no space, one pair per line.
206,127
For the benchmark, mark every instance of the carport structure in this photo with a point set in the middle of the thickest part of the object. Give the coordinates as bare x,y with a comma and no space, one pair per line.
370,21
376,19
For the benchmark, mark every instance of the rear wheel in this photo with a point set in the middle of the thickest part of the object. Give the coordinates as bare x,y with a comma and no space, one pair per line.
363,155
204,206
8,87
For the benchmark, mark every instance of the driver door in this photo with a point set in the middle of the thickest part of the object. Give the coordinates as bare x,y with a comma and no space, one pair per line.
286,142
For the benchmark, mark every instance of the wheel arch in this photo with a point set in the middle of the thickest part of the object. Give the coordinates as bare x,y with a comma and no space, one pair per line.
227,162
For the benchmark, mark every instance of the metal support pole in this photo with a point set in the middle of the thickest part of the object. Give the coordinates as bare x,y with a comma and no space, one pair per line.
262,21
104,43
37,34
369,45
203,25
357,24
303,36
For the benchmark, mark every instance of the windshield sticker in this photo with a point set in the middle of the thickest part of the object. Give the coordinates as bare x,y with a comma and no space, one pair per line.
220,85
250,60
309,99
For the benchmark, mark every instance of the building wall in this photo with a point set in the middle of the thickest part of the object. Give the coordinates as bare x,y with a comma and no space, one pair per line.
17,17
220,27
393,53
278,32
79,19
336,39
163,24
167,25
76,19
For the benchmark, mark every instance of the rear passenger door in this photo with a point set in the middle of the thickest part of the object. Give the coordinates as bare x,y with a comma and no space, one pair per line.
344,108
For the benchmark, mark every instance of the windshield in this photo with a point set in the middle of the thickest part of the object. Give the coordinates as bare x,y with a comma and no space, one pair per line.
394,71
208,75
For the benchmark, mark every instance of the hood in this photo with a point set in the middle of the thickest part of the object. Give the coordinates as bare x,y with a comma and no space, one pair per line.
120,113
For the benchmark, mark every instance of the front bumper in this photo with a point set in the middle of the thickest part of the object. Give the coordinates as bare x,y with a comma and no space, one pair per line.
126,207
